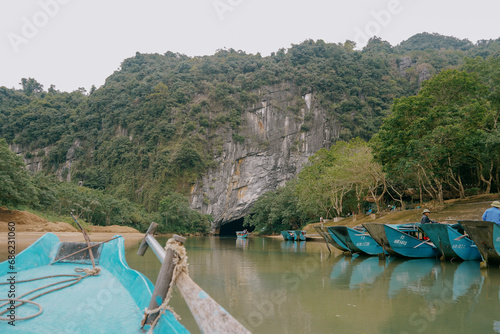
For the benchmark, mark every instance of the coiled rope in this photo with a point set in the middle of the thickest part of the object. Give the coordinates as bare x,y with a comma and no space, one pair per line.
181,266
72,281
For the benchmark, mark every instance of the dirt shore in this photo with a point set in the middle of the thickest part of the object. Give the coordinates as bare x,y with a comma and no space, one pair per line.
29,227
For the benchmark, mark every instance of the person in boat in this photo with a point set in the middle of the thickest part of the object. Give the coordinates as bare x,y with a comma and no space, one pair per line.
493,214
425,218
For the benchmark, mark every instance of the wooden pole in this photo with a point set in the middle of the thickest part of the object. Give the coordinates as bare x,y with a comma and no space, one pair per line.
209,315
87,239
144,244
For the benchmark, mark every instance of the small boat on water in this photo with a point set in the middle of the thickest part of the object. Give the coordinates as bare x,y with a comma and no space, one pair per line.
241,234
288,235
299,235
404,240
357,240
451,241
486,236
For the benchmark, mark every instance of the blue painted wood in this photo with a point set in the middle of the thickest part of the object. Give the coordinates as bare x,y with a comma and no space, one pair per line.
451,243
337,242
405,245
112,302
287,235
357,241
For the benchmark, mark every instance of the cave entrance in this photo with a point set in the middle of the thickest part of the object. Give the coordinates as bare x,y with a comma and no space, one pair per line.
230,228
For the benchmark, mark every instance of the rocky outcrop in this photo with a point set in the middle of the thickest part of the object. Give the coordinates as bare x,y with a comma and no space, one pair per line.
280,134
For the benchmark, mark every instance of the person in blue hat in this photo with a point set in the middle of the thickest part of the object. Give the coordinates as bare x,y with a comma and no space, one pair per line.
493,214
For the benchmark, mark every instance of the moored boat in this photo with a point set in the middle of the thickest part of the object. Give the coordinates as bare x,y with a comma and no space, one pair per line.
486,236
331,239
300,235
113,301
404,240
288,235
357,240
241,234
451,241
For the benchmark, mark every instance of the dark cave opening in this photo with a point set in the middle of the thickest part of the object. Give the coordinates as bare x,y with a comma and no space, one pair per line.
230,228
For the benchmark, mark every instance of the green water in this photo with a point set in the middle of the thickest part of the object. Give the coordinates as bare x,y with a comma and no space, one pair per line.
273,286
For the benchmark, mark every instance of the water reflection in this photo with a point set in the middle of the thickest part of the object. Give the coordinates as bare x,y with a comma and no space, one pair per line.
409,275
293,246
242,242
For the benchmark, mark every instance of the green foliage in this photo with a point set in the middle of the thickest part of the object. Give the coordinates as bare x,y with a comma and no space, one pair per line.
277,210
16,186
438,134
179,218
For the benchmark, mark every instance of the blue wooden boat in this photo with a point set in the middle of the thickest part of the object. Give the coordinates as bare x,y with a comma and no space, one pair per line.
288,235
330,238
486,236
451,241
357,240
300,235
111,302
403,240
241,234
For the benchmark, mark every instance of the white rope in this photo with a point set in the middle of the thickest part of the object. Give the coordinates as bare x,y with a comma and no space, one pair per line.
181,265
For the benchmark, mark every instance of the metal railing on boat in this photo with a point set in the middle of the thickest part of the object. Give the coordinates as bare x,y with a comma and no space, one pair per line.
209,315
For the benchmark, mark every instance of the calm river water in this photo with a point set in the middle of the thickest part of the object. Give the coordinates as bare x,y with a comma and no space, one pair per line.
273,286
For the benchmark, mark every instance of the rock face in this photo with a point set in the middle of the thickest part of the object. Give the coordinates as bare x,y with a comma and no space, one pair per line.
280,133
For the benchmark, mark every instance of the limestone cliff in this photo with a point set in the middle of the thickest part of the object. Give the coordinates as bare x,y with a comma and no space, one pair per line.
280,133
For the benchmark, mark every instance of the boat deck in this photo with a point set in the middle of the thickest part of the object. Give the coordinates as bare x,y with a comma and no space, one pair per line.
111,302
100,300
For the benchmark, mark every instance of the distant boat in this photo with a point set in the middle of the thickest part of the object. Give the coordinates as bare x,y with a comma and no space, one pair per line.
300,235
404,240
357,240
451,241
486,236
241,234
288,235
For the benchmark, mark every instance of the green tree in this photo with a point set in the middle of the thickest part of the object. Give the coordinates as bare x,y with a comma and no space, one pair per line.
16,185
436,132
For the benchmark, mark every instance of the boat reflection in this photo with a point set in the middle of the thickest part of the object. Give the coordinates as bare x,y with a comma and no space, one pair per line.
293,246
357,271
407,275
242,242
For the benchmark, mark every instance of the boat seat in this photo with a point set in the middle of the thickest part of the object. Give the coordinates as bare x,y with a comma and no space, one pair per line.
67,248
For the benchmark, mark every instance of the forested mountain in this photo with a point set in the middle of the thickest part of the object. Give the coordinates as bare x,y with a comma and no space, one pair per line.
160,123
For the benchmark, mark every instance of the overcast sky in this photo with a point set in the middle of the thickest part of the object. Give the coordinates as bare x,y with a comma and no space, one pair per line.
79,43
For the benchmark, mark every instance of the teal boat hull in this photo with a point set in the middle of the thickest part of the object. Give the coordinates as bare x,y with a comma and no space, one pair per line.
452,244
486,236
357,241
396,240
287,235
299,235
112,302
